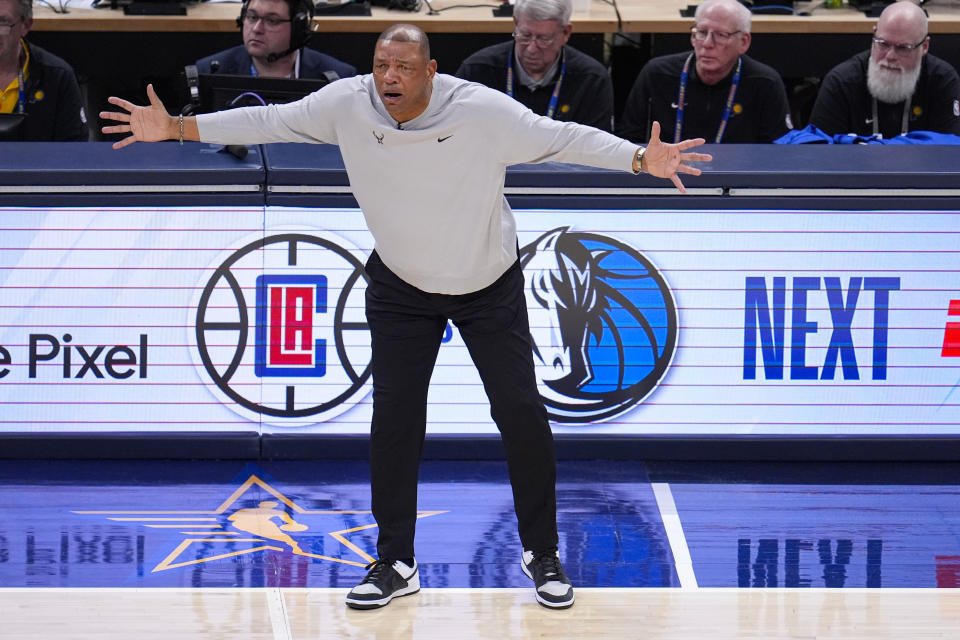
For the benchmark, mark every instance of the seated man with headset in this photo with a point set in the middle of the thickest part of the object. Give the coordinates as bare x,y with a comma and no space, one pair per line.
275,33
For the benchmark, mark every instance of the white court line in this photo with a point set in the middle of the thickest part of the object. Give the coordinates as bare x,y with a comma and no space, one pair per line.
279,619
678,542
479,590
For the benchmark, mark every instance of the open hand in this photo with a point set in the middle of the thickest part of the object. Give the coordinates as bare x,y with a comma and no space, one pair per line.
144,124
666,160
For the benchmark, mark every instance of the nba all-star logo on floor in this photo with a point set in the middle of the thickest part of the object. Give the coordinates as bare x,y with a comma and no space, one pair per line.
280,328
603,322
255,518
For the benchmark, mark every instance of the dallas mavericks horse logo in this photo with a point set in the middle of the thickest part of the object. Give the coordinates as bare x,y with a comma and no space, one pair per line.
603,322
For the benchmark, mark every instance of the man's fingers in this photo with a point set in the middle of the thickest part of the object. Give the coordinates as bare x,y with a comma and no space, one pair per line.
677,183
123,104
655,132
115,115
154,98
688,169
696,157
692,142
123,143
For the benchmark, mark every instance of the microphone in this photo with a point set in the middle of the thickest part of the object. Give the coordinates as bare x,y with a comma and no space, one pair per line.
273,57
193,83
238,151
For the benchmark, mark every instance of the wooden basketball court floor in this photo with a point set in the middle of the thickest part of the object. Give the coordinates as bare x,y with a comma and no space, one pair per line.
230,549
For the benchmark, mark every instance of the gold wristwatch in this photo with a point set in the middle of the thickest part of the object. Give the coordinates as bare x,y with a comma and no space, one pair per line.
637,159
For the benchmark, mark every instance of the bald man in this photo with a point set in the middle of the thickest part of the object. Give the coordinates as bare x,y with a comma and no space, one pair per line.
893,88
426,154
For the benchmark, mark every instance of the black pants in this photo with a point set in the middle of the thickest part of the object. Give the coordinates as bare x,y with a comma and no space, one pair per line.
407,325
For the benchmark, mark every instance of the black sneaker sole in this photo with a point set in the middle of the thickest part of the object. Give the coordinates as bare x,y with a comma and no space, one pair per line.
556,606
364,605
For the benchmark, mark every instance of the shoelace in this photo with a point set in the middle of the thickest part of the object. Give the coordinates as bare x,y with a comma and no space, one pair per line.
378,567
547,562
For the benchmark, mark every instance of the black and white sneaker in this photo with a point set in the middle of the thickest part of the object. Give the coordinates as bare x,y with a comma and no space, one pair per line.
386,580
553,588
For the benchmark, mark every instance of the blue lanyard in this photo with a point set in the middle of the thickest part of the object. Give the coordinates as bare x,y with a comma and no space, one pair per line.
555,97
682,94
22,97
21,88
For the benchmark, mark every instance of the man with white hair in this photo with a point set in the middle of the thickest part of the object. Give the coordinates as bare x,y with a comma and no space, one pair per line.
715,92
893,88
541,71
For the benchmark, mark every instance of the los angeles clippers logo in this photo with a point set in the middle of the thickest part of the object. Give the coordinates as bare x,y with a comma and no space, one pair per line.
281,328
603,322
285,344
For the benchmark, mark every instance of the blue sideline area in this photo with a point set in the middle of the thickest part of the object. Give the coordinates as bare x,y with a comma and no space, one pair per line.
191,524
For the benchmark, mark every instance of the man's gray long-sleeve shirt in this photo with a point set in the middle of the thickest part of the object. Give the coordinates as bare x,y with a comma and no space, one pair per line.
431,189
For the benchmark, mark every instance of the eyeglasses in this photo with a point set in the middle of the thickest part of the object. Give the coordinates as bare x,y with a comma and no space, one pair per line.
7,27
901,49
720,37
524,38
270,22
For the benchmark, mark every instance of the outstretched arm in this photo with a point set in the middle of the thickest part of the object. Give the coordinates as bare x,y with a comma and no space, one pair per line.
667,160
148,124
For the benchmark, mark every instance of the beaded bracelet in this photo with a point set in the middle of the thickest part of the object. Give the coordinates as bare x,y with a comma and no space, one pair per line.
181,129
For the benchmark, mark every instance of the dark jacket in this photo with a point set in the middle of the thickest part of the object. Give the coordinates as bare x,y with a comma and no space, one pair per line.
53,103
760,111
586,95
844,104
313,64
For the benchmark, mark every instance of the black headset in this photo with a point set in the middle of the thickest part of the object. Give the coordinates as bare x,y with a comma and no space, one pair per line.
301,22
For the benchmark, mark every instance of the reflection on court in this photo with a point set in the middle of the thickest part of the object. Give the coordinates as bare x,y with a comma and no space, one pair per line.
268,550
308,524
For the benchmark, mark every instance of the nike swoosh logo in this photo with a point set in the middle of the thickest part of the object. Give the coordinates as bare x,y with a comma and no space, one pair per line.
447,138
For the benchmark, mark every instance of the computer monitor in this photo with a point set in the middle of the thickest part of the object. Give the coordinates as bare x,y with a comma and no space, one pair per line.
155,8
771,7
10,126
216,92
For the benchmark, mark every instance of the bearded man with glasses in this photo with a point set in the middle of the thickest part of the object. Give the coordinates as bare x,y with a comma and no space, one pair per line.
893,88
275,35
542,72
715,92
